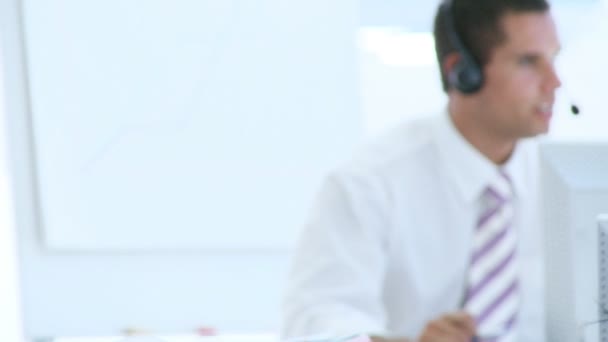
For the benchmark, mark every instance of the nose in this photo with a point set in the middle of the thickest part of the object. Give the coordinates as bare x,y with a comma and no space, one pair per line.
553,80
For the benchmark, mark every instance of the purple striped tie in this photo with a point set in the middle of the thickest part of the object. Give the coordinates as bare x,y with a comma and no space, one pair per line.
492,296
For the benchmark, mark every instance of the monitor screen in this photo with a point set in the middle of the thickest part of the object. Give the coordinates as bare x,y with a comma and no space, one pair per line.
574,181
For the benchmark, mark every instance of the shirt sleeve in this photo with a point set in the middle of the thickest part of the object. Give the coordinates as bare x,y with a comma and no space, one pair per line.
336,282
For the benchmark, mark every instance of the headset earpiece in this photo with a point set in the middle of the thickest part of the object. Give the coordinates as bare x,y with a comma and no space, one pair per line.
466,75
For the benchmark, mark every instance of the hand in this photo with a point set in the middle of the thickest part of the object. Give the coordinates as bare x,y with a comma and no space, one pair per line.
453,327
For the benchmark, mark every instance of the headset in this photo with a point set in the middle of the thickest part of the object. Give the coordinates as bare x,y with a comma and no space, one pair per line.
466,75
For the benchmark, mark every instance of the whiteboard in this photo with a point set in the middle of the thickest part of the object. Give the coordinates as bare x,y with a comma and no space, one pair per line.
187,124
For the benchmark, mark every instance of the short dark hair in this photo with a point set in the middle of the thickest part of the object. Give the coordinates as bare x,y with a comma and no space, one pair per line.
478,24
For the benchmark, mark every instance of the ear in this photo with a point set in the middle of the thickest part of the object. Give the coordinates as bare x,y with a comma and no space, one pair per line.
449,62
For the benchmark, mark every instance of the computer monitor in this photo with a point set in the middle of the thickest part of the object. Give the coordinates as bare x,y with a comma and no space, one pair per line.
603,274
574,183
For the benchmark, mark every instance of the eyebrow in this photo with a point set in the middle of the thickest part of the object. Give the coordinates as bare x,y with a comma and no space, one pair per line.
535,54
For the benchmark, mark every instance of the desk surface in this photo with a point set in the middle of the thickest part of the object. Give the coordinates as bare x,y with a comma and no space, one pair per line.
175,338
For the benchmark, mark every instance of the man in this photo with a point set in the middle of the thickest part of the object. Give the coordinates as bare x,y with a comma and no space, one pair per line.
433,235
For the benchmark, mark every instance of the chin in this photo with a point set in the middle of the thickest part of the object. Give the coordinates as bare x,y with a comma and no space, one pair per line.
534,133
539,128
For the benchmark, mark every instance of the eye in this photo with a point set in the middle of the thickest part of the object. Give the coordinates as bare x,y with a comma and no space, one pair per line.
527,60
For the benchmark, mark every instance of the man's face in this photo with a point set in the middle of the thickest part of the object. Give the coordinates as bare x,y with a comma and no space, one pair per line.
517,98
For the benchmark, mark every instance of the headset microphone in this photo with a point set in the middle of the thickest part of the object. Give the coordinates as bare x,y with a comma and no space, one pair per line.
574,109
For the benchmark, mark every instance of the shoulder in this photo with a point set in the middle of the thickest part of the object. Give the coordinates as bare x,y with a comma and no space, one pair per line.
403,149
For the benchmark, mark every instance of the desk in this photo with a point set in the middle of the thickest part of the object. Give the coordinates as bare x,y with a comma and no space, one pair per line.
172,338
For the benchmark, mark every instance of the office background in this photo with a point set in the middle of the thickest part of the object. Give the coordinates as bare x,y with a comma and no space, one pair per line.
163,154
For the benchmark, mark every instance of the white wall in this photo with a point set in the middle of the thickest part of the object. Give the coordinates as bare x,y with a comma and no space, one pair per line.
98,292
11,328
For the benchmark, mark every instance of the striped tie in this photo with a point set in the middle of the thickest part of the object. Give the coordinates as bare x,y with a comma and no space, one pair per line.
492,296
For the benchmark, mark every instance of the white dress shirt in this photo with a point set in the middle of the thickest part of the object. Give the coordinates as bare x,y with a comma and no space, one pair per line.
388,243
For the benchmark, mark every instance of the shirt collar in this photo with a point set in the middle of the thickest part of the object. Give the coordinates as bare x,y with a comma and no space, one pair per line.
518,166
470,170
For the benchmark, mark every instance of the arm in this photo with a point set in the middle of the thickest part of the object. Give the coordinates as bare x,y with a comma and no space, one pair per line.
336,281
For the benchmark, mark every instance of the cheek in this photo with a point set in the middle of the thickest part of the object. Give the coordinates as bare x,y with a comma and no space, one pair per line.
510,100
511,88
